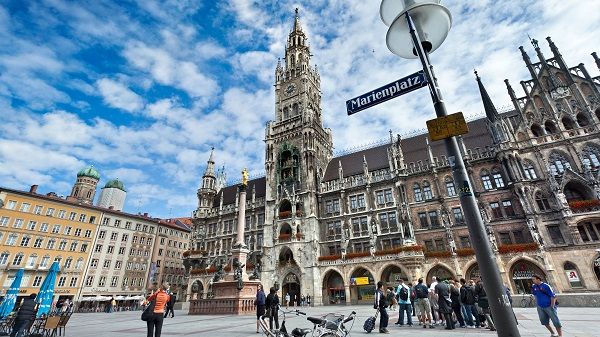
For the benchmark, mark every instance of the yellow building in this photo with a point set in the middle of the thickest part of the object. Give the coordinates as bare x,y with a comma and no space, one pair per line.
36,230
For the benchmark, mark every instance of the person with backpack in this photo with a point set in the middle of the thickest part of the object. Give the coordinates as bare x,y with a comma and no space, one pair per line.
381,304
422,303
467,298
546,305
403,292
272,307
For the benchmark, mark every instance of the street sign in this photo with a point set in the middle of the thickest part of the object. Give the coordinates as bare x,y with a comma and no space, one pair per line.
387,92
447,126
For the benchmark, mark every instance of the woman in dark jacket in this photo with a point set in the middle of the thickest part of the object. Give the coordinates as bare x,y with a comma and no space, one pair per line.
272,305
260,305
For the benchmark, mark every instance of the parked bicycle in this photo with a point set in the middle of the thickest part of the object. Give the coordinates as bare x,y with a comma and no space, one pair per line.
282,331
332,325
528,301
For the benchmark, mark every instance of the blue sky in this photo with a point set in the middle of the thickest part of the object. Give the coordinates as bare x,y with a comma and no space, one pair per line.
143,89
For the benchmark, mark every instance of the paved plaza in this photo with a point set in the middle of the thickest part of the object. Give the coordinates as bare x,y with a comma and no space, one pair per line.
577,322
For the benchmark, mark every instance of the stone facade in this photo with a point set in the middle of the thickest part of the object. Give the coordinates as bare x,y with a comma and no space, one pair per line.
331,227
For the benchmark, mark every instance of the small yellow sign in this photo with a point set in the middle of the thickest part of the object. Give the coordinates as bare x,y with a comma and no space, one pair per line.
447,126
359,281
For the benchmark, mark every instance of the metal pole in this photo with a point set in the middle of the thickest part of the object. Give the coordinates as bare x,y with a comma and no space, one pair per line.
502,313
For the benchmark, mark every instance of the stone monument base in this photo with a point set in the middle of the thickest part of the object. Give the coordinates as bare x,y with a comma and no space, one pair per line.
228,299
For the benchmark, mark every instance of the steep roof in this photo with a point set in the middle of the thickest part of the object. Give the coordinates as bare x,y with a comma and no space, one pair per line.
229,192
414,149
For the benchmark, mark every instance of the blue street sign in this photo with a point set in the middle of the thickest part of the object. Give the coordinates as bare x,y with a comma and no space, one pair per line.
387,92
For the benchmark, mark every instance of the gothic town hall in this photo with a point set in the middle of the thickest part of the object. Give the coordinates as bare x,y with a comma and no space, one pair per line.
331,227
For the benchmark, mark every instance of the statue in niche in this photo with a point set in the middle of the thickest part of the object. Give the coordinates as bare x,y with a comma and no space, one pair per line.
492,238
450,239
344,243
373,237
537,238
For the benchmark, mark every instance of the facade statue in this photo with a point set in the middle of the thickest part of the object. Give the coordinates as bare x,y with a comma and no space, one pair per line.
245,177
220,273
238,272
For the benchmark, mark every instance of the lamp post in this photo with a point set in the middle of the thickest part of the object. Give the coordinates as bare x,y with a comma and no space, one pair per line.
417,28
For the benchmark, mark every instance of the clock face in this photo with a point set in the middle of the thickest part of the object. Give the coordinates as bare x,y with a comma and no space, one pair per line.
290,89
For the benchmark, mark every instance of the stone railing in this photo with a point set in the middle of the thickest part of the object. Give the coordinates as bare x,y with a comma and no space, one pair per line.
221,306
367,258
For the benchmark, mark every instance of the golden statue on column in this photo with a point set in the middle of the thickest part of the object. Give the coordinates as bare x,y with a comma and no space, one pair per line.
245,177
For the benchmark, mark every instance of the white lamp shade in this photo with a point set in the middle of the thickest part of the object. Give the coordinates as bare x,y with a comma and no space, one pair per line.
432,22
390,9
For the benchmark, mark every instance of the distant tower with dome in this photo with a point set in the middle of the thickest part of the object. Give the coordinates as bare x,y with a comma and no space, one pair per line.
84,189
113,195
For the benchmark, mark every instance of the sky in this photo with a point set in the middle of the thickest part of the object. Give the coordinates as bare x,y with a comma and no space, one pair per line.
144,89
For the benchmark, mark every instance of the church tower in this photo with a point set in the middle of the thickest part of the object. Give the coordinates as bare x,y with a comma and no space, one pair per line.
84,189
208,190
298,149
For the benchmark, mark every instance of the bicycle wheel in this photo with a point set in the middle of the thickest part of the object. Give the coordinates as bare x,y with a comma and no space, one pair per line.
329,334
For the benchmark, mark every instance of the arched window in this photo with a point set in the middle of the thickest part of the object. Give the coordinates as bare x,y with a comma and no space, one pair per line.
550,127
286,113
486,180
427,193
572,275
542,201
450,189
537,130
591,157
558,164
582,119
17,259
295,109
529,170
417,192
568,123
4,258
498,180
575,191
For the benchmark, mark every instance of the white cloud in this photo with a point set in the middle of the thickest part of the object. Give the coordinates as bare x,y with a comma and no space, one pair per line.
119,96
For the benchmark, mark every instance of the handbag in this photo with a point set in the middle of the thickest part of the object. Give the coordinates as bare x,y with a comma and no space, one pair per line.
148,311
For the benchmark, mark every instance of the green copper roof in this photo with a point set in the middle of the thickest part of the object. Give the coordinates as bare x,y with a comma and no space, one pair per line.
89,171
115,183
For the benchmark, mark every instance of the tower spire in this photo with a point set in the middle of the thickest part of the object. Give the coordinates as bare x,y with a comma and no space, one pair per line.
297,26
488,105
210,167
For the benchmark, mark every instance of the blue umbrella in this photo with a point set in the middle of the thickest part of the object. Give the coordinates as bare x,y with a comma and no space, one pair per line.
46,295
10,299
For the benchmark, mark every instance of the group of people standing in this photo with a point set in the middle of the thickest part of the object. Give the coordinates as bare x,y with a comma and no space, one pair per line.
294,299
450,303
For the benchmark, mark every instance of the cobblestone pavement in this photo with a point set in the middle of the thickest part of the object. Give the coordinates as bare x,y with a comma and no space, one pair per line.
577,322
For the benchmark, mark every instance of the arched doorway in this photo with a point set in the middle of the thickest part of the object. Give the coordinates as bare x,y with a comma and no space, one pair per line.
286,257
285,209
391,275
333,289
440,272
521,273
285,233
291,285
473,272
362,287
577,191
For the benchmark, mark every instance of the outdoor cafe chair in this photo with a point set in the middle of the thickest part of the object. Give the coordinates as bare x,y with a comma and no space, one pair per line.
62,324
51,326
6,325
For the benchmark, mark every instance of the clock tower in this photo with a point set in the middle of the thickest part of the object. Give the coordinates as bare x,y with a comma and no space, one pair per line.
298,149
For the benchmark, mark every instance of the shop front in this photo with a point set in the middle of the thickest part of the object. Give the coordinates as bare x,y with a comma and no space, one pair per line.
521,272
362,287
334,291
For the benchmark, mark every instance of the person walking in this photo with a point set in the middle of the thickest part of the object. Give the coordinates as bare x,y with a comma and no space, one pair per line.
456,305
170,305
403,292
287,300
442,292
545,299
381,304
155,321
25,316
484,304
467,297
422,303
308,300
272,305
260,303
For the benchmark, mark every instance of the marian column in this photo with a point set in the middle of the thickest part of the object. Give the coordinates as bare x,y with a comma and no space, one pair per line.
240,251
